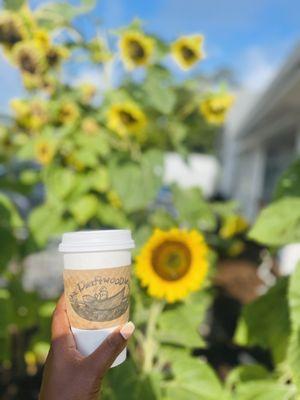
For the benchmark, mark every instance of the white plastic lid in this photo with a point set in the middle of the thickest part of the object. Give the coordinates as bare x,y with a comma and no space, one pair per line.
104,240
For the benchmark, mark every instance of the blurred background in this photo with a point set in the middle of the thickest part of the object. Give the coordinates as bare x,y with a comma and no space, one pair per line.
208,131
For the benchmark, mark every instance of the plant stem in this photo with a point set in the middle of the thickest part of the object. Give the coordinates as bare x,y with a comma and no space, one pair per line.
149,345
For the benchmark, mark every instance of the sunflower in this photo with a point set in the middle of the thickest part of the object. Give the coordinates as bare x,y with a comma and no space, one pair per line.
29,57
214,108
44,151
11,29
125,118
55,54
68,112
188,50
136,49
31,115
233,225
173,263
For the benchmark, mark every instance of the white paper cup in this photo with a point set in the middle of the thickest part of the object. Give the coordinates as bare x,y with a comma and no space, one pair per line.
97,277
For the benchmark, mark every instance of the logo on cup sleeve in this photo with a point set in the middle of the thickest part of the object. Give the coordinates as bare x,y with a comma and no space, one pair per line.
101,298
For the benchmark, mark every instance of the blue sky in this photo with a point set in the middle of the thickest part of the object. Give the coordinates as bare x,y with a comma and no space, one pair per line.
253,37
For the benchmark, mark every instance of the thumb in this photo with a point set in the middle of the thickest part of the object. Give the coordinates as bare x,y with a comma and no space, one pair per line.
103,357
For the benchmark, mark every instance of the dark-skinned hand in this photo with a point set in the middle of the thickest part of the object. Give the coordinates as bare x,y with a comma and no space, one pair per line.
67,374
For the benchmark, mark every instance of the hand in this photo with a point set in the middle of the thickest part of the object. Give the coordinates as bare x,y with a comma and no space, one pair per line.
70,376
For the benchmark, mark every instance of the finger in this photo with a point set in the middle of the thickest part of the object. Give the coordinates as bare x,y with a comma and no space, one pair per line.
60,324
103,357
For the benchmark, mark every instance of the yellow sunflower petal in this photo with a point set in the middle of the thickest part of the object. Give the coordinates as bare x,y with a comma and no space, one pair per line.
172,264
44,151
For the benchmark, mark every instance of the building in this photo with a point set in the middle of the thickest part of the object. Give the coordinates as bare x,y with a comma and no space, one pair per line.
261,138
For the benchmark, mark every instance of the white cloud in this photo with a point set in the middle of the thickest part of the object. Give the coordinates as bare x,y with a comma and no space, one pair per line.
259,68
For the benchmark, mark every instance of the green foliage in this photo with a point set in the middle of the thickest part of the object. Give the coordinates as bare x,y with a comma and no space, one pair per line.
279,223
187,318
13,4
137,184
264,390
61,14
265,327
193,210
193,379
289,182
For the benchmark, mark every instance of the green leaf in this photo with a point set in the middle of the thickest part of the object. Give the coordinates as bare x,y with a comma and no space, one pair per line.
293,357
138,185
148,387
59,182
125,383
25,312
9,247
159,96
57,14
7,311
99,179
294,298
193,380
44,222
177,133
162,219
112,217
267,320
187,318
279,223
9,216
84,208
193,210
246,373
264,390
241,333
289,183
13,4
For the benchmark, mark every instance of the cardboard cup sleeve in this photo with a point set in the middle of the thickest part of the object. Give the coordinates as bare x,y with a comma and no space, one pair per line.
97,298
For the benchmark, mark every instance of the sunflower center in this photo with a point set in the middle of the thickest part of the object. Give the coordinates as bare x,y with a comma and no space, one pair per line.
136,50
9,33
27,63
52,57
171,260
44,150
187,53
217,110
127,118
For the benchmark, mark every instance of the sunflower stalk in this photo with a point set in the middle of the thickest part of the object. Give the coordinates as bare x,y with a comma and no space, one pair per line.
150,344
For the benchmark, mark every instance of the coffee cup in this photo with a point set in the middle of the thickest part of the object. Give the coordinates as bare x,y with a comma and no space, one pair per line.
97,267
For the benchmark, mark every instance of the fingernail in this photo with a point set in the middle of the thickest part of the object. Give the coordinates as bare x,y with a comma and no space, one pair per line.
127,330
